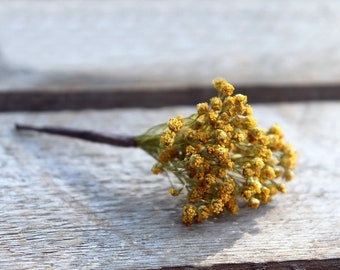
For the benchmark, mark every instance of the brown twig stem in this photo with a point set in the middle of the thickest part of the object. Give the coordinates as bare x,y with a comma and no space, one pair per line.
111,139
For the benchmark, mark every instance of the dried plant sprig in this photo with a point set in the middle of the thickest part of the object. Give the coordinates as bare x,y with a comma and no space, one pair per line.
218,154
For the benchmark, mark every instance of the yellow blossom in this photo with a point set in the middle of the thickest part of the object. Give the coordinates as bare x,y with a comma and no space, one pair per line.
174,192
167,155
175,124
240,99
273,189
247,172
203,136
221,173
195,195
190,135
246,194
240,136
219,154
216,103
248,110
257,163
249,122
268,173
222,85
221,137
232,205
213,116
168,138
217,206
275,142
189,213
196,161
276,130
203,213
265,195
254,202
281,187
288,175
202,108
210,179
190,150
157,169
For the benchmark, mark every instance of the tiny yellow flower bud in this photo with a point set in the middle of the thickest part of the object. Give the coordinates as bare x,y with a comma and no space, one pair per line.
174,192
217,206
281,187
232,205
217,83
288,175
250,122
216,103
247,172
246,194
157,169
213,116
258,163
248,110
253,202
257,187
203,136
168,138
273,189
222,173
202,108
210,179
240,99
203,212
221,137
240,136
196,161
222,154
275,142
276,130
222,86
175,124
268,173
190,135
189,213
190,150
265,195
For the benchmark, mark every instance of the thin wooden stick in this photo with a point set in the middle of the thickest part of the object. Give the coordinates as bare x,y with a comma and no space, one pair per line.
111,139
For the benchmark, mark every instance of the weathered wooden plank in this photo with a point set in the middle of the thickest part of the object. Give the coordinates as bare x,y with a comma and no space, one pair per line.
80,99
72,204
299,264
77,44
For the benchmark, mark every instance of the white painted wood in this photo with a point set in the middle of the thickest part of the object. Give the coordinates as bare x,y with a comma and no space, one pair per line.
68,204
53,44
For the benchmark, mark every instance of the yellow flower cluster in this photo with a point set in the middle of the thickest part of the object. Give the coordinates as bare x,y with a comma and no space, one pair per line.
219,154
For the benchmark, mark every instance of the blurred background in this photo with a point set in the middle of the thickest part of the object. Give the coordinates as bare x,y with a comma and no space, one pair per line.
76,46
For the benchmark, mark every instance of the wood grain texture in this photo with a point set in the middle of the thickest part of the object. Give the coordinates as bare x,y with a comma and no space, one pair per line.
76,44
68,204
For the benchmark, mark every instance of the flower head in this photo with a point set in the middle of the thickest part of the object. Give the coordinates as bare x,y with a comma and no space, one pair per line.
220,156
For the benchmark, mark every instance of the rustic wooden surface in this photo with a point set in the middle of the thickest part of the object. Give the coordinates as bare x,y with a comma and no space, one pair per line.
52,45
68,204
